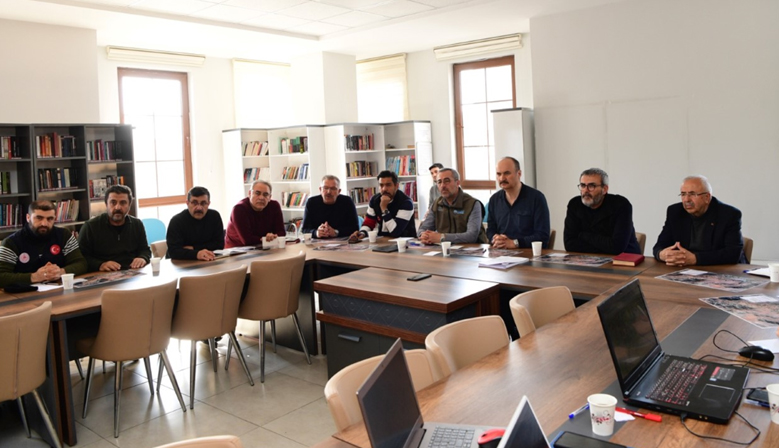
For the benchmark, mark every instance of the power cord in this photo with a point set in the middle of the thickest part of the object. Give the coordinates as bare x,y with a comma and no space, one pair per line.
757,432
747,363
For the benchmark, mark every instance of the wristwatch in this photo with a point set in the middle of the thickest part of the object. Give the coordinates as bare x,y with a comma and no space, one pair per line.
516,243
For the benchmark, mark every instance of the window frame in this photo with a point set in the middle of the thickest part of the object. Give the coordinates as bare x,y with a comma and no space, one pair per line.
458,117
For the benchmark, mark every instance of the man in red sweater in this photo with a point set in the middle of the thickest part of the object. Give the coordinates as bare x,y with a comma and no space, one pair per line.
256,216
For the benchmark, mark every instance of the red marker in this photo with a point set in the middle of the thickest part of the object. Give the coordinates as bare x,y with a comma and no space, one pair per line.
653,417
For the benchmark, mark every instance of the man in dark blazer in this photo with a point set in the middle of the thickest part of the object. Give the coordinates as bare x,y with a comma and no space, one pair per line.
700,230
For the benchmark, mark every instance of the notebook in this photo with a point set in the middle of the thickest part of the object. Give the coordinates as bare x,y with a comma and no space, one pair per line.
524,431
391,412
708,391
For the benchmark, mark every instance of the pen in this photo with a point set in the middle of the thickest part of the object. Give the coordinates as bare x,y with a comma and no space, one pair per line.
757,403
579,411
653,417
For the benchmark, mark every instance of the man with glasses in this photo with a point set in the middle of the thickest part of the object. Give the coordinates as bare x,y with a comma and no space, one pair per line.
455,216
330,214
256,216
598,222
390,211
197,231
700,230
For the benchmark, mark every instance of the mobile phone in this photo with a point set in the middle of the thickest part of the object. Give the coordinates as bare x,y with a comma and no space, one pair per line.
418,277
572,440
759,397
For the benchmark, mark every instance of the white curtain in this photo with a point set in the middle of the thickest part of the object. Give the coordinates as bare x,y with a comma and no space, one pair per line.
381,89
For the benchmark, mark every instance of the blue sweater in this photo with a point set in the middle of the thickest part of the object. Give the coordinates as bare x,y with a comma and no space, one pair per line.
341,216
527,220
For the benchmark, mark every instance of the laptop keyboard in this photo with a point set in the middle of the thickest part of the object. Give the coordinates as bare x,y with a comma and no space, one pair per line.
677,382
451,437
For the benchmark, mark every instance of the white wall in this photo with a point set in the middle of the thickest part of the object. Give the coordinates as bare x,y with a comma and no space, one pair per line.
654,90
47,74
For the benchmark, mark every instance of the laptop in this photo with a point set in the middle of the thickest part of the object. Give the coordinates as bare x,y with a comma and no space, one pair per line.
391,412
524,431
655,380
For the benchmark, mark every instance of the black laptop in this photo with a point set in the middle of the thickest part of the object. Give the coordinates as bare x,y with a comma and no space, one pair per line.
650,378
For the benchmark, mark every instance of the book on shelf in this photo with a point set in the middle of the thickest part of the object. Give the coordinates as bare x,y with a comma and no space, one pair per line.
362,168
5,182
253,174
67,210
362,195
11,215
293,198
9,147
410,188
55,145
99,150
293,145
255,148
402,165
57,178
98,187
295,172
358,142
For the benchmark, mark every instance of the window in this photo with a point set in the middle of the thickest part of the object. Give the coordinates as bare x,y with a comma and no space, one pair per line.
381,89
156,104
480,87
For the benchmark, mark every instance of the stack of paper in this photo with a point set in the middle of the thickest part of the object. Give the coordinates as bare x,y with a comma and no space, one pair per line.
502,262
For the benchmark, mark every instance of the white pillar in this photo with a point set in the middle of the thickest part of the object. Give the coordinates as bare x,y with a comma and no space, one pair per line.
324,87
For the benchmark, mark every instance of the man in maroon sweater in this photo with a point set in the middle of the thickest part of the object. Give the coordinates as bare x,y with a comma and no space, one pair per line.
256,216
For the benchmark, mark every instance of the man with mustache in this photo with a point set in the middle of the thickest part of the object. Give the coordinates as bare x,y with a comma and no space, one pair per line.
39,251
115,240
255,217
700,230
518,213
197,231
390,211
598,222
330,214
456,216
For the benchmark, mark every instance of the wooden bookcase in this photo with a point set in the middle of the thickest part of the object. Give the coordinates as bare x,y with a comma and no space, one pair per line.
16,176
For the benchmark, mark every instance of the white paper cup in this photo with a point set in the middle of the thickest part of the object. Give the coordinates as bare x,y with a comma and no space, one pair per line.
402,245
155,264
602,409
282,242
67,281
773,400
537,246
773,269
372,235
267,244
445,248
307,238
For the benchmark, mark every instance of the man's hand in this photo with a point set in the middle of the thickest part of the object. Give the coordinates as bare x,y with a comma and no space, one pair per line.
355,237
137,263
430,237
325,231
384,202
677,255
48,272
270,237
205,255
503,242
110,266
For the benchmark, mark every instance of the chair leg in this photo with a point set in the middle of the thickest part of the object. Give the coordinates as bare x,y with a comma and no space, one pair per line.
118,377
23,414
79,368
103,367
159,372
192,368
46,419
230,351
88,385
172,377
300,336
240,357
212,348
273,334
262,351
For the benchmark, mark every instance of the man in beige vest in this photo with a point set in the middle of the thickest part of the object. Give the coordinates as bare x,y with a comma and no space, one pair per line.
455,216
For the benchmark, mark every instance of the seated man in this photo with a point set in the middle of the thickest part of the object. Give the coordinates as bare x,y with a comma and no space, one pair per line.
39,251
391,210
518,214
700,230
256,216
197,231
599,222
115,240
434,193
330,214
455,216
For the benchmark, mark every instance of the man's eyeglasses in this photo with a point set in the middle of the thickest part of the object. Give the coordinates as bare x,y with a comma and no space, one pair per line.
589,187
201,203
444,181
329,188
691,194
260,193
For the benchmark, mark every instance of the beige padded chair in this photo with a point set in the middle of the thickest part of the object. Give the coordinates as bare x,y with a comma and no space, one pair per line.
23,339
273,293
341,389
537,308
641,237
207,442
207,308
748,244
457,344
134,323
159,248
552,235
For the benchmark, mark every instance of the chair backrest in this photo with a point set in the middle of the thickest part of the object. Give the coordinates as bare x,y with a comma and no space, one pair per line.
273,289
552,235
134,323
23,339
208,304
748,244
207,442
155,229
541,305
641,237
159,248
341,389
464,342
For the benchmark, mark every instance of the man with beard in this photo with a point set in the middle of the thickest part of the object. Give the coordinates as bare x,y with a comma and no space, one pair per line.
115,240
197,231
255,217
330,214
518,213
455,216
39,251
599,222
390,211
700,230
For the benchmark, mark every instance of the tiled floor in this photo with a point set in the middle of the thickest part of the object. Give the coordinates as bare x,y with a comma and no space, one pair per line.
287,411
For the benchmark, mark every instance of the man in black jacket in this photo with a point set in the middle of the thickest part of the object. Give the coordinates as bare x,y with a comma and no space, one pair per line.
700,230
195,233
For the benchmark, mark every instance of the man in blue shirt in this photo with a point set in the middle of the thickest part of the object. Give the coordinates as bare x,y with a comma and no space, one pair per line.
518,213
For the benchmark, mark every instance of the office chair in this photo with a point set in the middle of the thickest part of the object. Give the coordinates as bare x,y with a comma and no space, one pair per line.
536,308
457,344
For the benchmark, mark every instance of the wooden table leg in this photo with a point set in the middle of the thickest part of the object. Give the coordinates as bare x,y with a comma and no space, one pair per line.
62,415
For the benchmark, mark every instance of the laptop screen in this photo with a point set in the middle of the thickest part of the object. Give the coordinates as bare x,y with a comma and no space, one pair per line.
389,403
524,431
629,332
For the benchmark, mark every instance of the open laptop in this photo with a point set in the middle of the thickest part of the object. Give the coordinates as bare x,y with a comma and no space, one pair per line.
524,431
650,378
391,411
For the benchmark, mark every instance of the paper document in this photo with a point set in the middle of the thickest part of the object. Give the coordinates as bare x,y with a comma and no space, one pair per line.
763,272
502,262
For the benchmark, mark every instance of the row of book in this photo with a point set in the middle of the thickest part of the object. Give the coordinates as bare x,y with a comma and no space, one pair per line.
9,147
252,174
295,172
98,187
293,145
402,165
5,182
57,178
67,210
410,188
362,195
358,142
55,145
293,199
255,149
99,150
12,215
362,168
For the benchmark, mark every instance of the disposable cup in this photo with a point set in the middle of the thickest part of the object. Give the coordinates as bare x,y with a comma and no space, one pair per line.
445,248
282,242
267,244
402,245
67,281
602,409
773,401
537,246
773,269
307,238
372,235
155,264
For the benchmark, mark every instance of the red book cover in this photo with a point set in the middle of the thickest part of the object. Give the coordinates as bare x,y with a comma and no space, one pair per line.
625,259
